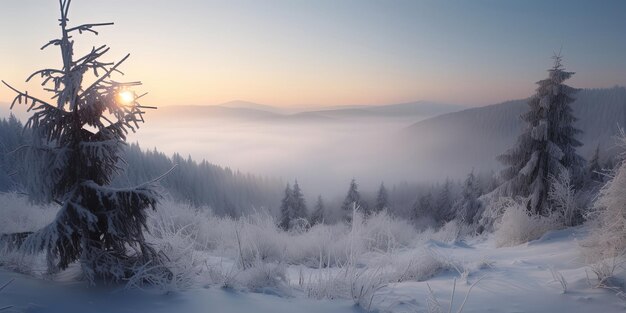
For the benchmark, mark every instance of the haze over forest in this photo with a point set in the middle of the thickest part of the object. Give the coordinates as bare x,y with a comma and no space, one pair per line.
324,148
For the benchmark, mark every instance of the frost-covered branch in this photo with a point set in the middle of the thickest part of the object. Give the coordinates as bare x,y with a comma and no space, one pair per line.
25,96
88,27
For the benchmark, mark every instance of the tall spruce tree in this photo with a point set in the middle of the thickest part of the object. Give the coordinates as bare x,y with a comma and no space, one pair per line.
444,203
299,204
293,207
468,206
286,208
75,152
382,198
547,146
319,212
351,201
594,168
422,207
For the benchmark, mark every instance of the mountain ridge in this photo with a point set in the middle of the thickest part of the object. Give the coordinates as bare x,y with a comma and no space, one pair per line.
480,134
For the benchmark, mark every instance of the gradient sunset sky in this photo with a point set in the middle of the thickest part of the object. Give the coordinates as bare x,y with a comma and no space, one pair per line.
330,52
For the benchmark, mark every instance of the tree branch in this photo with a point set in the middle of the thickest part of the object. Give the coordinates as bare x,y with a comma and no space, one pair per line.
107,74
25,95
88,27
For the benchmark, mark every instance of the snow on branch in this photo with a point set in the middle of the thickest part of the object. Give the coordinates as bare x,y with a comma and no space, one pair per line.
88,27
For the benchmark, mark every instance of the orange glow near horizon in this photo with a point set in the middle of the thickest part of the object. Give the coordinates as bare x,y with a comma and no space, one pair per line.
307,53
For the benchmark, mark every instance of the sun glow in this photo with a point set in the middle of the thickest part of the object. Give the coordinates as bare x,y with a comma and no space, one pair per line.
126,97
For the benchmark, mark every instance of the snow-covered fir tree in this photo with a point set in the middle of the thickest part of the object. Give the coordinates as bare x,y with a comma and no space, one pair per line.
382,198
293,207
547,145
285,209
299,204
318,216
74,153
444,202
351,201
594,169
11,138
468,207
423,207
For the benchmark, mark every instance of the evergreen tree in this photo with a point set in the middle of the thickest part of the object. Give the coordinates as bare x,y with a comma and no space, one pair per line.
594,168
299,210
11,138
423,206
293,207
547,146
352,200
444,202
286,208
382,198
468,206
74,153
319,212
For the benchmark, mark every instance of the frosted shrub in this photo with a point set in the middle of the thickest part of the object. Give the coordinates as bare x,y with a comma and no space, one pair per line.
383,232
172,234
349,282
340,244
448,233
494,210
609,219
364,284
263,277
418,267
260,240
518,226
208,231
563,198
223,275
254,253
606,247
177,243
322,246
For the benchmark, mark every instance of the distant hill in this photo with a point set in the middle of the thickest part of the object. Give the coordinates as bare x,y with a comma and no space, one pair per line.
240,104
184,113
421,108
474,137
249,111
418,110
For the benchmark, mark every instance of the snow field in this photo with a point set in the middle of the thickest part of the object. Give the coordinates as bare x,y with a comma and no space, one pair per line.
378,264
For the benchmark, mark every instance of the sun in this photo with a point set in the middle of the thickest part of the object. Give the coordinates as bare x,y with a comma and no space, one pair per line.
126,97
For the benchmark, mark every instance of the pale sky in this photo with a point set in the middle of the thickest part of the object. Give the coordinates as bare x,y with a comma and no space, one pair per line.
329,52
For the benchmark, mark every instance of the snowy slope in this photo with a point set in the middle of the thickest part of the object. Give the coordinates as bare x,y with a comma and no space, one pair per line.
515,279
31,295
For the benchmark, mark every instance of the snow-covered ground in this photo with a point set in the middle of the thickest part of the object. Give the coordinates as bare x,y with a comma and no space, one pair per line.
514,279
